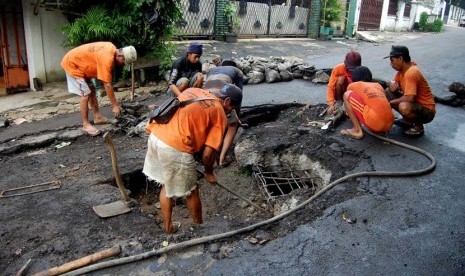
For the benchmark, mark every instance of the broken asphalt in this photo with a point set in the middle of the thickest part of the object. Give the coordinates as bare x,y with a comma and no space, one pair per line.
405,226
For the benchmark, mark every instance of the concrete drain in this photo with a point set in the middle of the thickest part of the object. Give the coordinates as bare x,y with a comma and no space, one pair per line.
275,184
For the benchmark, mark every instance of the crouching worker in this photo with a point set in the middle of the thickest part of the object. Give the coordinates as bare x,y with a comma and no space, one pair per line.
186,71
341,76
227,72
366,103
195,127
409,93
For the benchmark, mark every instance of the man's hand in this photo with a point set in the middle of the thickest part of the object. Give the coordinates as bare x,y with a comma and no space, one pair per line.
393,86
116,111
330,110
211,178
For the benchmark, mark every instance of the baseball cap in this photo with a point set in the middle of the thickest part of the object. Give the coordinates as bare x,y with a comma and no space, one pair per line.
130,54
223,89
353,60
398,51
195,48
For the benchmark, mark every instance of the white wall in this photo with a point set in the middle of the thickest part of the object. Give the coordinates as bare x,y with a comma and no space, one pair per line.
52,39
43,43
400,23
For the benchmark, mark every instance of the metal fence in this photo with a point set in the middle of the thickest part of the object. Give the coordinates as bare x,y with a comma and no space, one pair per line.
258,17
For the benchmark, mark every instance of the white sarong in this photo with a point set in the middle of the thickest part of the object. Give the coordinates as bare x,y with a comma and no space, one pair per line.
170,167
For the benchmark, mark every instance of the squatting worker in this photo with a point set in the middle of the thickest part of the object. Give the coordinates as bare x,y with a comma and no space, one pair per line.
365,103
186,71
199,126
228,72
341,76
94,60
409,93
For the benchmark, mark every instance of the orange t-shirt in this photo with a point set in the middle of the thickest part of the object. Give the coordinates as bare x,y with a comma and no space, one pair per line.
338,71
92,60
413,83
377,112
194,125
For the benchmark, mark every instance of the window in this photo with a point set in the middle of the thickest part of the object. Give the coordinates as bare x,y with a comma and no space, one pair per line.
392,10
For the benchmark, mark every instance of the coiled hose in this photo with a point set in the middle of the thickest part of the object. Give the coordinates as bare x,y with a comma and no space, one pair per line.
211,238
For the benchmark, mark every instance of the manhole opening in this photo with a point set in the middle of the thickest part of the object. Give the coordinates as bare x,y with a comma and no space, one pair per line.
278,183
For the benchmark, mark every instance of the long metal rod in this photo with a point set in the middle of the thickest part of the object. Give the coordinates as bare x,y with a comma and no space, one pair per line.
56,184
243,198
238,195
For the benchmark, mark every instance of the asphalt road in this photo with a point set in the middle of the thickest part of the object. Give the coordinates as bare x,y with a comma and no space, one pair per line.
414,226
406,226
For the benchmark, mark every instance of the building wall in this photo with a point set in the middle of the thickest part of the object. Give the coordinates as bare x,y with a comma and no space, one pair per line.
52,39
400,23
43,43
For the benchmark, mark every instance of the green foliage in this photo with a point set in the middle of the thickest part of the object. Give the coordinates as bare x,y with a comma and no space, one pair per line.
436,26
125,22
95,25
423,20
234,22
424,26
331,11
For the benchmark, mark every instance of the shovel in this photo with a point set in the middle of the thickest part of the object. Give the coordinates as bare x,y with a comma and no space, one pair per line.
121,206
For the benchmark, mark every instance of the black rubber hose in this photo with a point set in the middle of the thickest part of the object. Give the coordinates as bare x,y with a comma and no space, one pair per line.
211,238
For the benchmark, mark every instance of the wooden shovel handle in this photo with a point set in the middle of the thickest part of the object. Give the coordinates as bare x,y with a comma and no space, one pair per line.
114,163
84,261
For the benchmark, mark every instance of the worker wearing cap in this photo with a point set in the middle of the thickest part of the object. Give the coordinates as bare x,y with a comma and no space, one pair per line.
186,71
196,127
409,93
226,72
94,60
341,76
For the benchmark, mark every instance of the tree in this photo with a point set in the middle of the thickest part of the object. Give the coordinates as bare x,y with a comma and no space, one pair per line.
148,25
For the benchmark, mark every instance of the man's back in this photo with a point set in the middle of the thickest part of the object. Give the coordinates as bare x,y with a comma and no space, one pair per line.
234,74
92,60
195,125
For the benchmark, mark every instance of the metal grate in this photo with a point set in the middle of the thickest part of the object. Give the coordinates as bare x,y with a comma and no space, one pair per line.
279,183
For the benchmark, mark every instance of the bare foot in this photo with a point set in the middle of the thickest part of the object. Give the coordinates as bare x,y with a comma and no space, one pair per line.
173,228
90,130
351,133
101,120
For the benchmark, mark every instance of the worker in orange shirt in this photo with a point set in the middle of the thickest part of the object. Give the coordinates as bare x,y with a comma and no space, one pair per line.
365,103
409,93
341,77
94,60
196,127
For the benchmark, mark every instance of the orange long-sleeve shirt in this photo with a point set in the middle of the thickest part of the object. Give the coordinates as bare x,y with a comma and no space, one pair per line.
338,71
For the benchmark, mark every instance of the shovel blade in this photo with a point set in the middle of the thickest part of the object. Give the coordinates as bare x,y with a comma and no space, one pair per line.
326,126
111,209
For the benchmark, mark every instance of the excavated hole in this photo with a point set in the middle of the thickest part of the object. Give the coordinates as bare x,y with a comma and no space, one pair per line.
275,184
288,152
144,191
283,151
